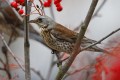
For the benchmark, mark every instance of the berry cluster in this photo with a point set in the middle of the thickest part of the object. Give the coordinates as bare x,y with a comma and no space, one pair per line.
16,5
56,2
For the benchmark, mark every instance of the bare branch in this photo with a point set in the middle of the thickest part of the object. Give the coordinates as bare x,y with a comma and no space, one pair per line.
78,42
5,43
102,39
26,40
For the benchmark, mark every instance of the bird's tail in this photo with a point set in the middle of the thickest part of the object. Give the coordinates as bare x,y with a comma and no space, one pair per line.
86,42
96,49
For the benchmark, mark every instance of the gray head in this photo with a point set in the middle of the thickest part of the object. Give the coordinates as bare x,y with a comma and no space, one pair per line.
44,22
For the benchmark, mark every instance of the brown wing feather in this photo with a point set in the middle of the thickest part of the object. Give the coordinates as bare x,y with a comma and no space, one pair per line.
63,30
64,33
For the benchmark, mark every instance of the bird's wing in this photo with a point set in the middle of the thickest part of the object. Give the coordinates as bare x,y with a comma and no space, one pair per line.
87,40
63,33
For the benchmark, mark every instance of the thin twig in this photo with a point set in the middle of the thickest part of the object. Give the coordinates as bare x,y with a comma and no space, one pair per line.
85,67
3,69
36,9
94,15
51,67
2,61
6,66
5,43
42,6
99,8
101,39
75,52
38,73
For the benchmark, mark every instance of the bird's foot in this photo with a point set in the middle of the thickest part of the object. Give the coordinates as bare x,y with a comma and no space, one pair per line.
60,67
59,63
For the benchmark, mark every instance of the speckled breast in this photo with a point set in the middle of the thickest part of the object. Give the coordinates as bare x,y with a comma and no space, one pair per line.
56,44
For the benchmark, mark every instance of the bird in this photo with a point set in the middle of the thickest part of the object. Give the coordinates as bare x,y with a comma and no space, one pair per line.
60,38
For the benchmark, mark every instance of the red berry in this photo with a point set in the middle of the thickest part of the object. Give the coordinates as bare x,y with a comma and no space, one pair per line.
21,1
59,8
49,1
57,1
21,11
14,4
23,4
47,4
17,1
58,4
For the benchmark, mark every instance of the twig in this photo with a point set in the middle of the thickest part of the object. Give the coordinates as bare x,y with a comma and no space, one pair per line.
78,70
38,73
2,61
6,66
3,69
26,40
36,9
94,15
85,67
78,42
101,39
5,43
51,67
99,8
42,6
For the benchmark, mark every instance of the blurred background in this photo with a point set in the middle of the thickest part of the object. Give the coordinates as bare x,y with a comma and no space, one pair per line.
72,15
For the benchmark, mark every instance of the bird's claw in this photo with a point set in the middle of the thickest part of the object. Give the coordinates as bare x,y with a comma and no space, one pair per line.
59,63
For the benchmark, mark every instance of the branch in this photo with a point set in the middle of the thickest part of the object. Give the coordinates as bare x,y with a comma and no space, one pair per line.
11,53
26,40
101,39
75,52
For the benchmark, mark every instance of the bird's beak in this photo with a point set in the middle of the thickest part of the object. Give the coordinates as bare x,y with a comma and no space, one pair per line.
32,21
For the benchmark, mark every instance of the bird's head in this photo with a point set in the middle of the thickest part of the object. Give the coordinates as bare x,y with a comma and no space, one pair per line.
44,22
